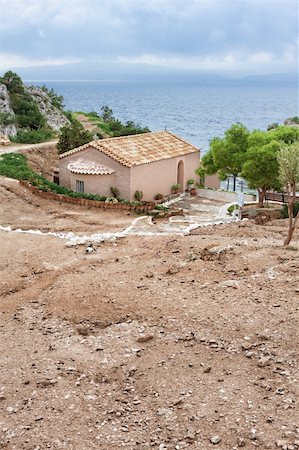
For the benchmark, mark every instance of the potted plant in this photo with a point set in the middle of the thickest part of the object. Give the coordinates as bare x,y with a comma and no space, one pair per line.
175,188
190,183
193,191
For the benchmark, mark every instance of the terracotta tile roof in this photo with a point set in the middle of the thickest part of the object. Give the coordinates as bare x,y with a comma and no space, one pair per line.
86,167
138,149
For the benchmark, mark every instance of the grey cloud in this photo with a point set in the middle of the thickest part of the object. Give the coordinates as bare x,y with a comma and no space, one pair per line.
108,29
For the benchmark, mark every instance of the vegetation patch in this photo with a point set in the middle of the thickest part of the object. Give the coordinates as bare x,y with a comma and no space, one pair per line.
14,165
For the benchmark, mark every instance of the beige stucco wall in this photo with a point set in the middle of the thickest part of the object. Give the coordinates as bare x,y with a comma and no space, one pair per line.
153,178
158,177
96,184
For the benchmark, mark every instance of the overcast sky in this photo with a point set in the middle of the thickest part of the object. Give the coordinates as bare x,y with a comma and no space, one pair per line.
223,36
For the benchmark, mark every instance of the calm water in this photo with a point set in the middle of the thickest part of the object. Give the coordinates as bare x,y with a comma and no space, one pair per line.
193,111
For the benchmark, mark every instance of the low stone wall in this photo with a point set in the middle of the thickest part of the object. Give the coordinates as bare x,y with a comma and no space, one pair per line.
86,202
225,196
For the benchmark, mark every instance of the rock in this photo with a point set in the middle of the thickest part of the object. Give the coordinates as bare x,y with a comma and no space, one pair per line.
207,369
5,107
215,439
241,442
246,345
89,249
291,122
164,411
145,338
214,253
280,443
191,435
264,361
149,275
173,270
230,283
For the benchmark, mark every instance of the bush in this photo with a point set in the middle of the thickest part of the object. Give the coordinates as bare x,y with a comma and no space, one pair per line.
27,112
190,181
32,136
115,192
161,208
138,196
159,196
285,213
7,119
175,187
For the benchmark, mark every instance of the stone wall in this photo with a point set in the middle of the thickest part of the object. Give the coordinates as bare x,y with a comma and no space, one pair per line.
225,196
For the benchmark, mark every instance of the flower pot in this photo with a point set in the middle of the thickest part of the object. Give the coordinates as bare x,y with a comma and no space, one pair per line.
193,191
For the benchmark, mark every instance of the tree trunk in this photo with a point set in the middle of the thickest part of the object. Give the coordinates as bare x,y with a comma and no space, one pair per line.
292,220
262,195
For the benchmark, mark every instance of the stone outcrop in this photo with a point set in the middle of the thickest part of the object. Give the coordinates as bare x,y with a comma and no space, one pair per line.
292,122
54,116
5,107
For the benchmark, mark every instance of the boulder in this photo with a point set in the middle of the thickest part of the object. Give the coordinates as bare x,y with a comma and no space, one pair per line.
5,107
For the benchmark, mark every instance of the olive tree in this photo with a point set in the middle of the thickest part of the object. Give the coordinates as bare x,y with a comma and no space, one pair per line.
288,163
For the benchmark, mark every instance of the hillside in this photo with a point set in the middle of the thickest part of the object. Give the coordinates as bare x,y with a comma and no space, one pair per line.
29,113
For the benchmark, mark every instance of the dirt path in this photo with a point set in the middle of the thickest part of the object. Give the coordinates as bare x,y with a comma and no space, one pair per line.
13,148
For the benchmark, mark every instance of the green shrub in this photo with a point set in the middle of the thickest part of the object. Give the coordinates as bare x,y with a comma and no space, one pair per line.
162,208
231,208
158,196
138,196
27,113
32,136
175,187
285,213
7,119
115,192
14,165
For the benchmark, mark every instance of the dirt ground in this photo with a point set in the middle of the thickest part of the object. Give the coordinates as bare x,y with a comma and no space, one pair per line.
172,342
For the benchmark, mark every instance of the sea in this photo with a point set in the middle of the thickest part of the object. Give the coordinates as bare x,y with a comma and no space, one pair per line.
193,110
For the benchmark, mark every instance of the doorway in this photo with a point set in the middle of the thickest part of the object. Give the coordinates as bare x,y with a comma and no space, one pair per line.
180,175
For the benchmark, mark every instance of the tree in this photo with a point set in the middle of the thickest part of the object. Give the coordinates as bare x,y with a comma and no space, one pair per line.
13,82
73,136
288,162
107,114
261,168
227,155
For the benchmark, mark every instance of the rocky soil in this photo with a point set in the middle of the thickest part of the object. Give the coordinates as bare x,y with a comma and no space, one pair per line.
174,342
